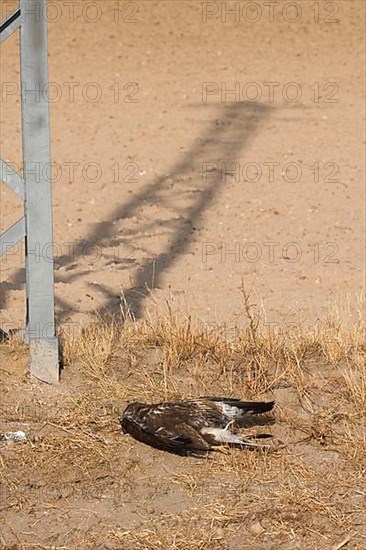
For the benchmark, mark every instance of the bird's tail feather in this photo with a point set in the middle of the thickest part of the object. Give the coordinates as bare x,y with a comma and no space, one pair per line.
254,407
234,409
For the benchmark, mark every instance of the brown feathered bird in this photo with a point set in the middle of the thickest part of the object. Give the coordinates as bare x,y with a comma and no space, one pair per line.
192,427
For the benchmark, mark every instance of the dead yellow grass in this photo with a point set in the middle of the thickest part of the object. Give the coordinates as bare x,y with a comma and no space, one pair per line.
89,486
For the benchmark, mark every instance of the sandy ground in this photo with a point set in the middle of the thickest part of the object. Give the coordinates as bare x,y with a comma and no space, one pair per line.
169,187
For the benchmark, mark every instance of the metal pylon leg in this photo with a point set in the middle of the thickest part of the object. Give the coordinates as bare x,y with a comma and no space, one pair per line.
40,325
34,188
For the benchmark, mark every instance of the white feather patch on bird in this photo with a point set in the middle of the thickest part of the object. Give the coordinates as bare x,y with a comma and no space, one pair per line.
222,435
229,411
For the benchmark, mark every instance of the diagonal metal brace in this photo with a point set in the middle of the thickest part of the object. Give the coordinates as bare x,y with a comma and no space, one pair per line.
12,179
11,24
12,236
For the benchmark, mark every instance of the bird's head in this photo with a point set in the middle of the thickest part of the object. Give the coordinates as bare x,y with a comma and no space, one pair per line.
133,409
131,414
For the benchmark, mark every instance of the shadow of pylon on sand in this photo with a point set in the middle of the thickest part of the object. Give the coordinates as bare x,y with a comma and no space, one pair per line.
223,141
187,191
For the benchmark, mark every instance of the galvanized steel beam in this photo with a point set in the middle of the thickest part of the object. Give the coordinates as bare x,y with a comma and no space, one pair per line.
11,178
35,189
11,24
10,237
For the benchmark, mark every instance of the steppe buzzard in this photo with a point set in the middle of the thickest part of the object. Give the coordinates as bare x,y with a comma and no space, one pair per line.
192,427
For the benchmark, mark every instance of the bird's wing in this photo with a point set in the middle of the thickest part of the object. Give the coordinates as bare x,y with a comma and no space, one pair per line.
185,437
205,410
254,407
234,409
180,439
